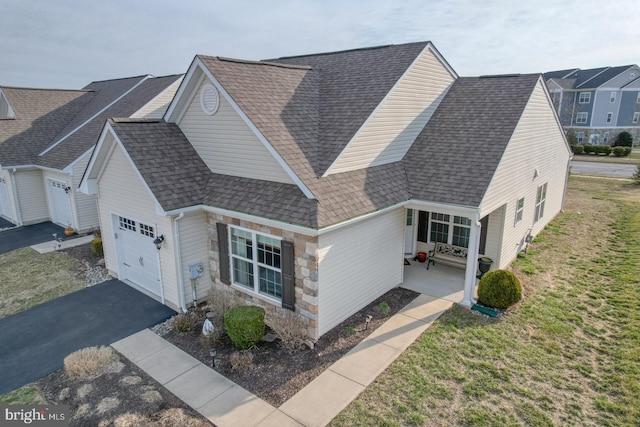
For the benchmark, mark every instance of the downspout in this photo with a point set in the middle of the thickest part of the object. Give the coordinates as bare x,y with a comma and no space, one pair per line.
178,259
472,261
16,202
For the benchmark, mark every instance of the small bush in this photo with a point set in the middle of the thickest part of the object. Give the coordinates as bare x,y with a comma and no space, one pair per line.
241,360
624,139
89,362
184,322
96,246
245,325
587,148
291,329
636,175
627,151
577,149
219,301
602,149
499,289
383,307
619,151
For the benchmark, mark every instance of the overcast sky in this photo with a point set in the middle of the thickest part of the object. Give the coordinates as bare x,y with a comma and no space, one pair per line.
69,43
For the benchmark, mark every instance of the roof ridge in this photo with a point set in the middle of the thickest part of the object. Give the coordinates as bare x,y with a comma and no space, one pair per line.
124,78
134,120
261,62
349,50
45,89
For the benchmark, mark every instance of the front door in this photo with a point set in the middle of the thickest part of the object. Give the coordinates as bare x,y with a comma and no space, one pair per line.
409,233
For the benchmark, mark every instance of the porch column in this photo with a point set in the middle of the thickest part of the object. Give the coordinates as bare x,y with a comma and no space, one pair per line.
472,261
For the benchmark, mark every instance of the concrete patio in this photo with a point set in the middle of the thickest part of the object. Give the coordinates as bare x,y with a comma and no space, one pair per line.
440,281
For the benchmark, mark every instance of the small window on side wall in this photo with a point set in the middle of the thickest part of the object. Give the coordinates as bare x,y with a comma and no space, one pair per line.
519,210
541,198
636,117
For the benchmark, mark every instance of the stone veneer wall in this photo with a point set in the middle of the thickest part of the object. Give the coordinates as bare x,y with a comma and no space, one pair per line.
613,134
306,273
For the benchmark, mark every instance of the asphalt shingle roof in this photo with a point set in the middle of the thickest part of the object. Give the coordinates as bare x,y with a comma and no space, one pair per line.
456,154
40,114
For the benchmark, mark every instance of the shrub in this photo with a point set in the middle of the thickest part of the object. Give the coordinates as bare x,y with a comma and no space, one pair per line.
624,139
89,362
245,325
571,137
627,151
96,246
602,149
589,148
291,329
240,360
500,289
184,322
636,175
577,149
619,151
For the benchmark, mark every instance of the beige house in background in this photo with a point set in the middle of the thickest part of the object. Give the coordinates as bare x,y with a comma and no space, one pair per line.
303,183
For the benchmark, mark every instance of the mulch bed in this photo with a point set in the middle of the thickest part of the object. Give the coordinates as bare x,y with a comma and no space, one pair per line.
275,375
84,253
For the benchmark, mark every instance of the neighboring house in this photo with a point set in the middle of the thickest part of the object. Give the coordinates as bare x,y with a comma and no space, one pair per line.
301,183
47,137
599,103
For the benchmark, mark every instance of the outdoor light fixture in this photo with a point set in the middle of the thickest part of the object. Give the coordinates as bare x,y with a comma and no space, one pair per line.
367,321
212,353
67,189
158,241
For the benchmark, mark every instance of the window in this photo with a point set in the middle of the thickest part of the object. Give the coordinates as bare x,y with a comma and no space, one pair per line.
609,117
541,197
439,227
519,210
147,230
585,97
581,118
638,98
636,117
580,137
632,76
423,226
605,138
256,262
127,224
612,97
442,223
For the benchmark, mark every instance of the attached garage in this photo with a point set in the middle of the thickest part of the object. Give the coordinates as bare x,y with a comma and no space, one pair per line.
136,254
60,202
5,207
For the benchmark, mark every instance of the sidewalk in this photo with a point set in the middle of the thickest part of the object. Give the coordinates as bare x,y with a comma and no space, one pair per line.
51,245
226,404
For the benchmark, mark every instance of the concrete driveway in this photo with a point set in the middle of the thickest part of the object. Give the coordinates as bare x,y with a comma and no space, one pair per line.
36,341
20,237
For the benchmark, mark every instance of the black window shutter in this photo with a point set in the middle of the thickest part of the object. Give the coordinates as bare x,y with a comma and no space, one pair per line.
288,276
223,251
484,223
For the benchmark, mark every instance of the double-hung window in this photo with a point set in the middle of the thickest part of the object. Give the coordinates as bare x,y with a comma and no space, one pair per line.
256,262
609,117
451,229
541,197
585,98
439,227
636,117
612,97
519,210
581,118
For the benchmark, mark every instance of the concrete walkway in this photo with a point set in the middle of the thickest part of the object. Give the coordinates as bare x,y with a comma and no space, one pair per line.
226,404
64,244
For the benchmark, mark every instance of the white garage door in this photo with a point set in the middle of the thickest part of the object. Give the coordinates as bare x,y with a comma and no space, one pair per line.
5,208
60,203
137,255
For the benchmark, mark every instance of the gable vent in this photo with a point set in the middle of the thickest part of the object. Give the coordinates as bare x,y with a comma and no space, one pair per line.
209,99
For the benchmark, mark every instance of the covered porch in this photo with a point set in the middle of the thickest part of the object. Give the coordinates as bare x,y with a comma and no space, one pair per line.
440,281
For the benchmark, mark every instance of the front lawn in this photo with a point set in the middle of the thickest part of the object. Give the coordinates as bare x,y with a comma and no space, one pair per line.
28,278
569,354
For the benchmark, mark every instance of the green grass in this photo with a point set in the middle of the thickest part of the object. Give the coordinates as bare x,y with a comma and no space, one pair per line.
28,278
568,354
27,395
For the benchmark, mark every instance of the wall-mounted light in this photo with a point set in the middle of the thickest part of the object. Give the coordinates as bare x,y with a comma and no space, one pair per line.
67,189
158,241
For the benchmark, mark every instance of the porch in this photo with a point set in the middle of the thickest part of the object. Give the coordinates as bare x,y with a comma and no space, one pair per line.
440,281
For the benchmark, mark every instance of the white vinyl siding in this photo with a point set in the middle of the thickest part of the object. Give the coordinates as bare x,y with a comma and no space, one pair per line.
357,264
31,196
6,205
156,108
86,206
227,144
516,173
122,193
393,127
194,247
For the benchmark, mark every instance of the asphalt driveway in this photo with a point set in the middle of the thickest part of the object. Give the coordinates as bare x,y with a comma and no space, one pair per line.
5,224
35,342
20,237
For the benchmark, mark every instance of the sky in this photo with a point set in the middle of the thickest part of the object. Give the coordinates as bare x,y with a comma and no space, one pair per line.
70,43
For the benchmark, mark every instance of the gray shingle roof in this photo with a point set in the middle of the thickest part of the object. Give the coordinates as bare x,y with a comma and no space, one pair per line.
456,154
605,76
86,137
40,115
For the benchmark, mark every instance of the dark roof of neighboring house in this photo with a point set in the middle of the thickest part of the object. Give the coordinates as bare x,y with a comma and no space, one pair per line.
40,114
53,127
448,163
563,83
456,155
605,76
560,74
585,79
70,146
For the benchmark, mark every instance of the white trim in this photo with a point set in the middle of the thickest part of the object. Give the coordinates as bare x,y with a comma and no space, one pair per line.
609,117
582,114
472,257
373,114
69,168
94,116
588,97
209,110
